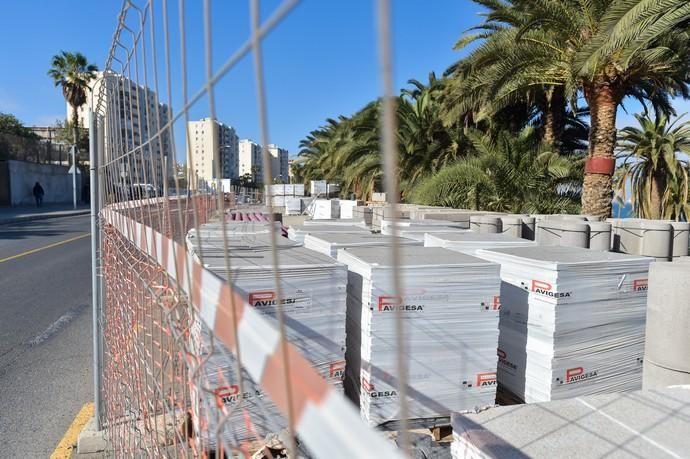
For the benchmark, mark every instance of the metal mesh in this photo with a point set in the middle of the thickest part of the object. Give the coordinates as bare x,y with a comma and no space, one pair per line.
188,369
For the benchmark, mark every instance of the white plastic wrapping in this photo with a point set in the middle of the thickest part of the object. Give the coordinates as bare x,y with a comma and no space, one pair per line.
297,233
325,209
313,299
572,321
330,243
471,241
346,207
450,307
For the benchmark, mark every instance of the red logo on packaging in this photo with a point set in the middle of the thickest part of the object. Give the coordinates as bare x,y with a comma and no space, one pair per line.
640,285
538,285
501,353
366,385
486,379
546,289
386,303
337,369
496,303
255,297
226,394
570,373
578,374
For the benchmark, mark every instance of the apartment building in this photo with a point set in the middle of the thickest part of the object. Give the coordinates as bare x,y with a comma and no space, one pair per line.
279,163
213,147
133,114
250,161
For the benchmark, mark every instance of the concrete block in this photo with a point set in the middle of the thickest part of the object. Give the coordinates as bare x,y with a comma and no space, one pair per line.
681,239
668,316
600,236
657,239
486,224
639,424
528,227
656,377
547,234
90,440
512,225
574,234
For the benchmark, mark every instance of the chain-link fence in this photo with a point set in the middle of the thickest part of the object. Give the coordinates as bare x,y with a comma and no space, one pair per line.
189,365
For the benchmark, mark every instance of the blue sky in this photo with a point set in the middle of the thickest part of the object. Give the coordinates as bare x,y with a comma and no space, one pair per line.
321,61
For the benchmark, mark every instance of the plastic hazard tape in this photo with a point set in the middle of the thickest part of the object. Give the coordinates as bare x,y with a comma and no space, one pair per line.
324,420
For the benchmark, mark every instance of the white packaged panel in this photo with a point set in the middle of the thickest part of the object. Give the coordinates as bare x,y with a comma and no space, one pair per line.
572,321
450,309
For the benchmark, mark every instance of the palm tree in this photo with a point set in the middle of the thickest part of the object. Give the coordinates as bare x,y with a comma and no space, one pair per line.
508,173
73,73
425,144
658,177
604,50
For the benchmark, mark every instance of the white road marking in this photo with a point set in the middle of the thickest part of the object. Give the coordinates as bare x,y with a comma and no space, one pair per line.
56,326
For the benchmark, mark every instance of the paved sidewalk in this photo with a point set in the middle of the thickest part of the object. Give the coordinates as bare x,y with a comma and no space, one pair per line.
22,214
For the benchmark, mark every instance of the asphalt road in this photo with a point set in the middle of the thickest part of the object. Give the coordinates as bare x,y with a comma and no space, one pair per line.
45,332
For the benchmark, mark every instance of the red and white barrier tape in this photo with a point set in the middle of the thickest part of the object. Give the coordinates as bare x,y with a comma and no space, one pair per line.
325,421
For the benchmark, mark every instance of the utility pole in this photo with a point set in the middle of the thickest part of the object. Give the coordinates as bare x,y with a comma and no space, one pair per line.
95,293
74,176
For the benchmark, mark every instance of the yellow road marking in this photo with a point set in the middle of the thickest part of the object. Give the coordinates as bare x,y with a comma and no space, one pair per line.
64,449
49,246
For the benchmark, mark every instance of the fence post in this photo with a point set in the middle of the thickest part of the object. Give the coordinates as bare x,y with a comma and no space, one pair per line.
95,294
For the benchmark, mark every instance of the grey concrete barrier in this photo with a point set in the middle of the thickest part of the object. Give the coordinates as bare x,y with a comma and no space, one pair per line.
528,227
657,377
548,233
574,234
563,232
615,233
681,239
599,236
486,224
512,225
657,239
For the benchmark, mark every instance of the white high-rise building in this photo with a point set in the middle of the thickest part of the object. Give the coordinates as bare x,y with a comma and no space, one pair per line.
131,116
212,145
250,160
279,163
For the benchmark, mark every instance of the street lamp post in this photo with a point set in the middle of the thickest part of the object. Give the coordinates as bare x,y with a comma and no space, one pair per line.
74,176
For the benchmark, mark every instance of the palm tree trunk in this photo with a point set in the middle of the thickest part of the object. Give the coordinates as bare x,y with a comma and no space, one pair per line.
553,115
656,210
597,189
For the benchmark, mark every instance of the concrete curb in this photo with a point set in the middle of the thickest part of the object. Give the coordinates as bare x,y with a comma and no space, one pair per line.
58,214
91,441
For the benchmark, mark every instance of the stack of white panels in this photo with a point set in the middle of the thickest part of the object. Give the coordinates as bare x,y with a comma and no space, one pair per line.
325,208
317,187
469,242
313,289
387,224
236,231
293,206
297,233
346,207
330,243
450,313
415,229
572,321
336,222
209,242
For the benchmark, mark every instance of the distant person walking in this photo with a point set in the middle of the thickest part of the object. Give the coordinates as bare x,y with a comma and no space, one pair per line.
38,194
